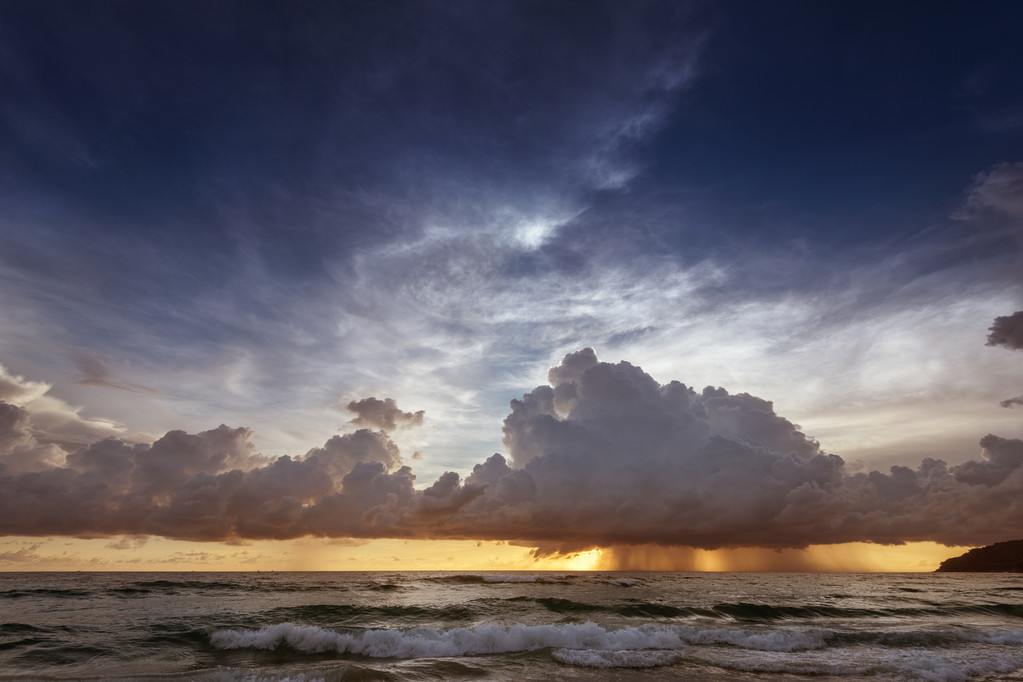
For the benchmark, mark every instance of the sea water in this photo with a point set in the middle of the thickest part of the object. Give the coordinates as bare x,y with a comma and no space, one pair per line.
511,626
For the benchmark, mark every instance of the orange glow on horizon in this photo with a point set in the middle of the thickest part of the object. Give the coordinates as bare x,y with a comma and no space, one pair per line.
317,554
851,557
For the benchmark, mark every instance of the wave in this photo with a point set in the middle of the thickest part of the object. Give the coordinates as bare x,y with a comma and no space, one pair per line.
598,658
756,613
636,609
19,629
129,591
170,586
1014,610
766,612
60,654
932,665
512,579
189,585
350,614
22,635
183,634
927,638
741,612
590,637
494,579
620,582
384,587
44,592
430,643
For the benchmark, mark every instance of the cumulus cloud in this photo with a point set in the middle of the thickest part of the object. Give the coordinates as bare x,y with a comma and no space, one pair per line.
603,455
19,448
382,414
1007,331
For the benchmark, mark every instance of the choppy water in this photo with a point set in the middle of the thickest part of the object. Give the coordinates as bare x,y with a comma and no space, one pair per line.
367,626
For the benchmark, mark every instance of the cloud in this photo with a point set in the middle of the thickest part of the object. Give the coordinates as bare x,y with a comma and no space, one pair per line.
19,448
603,455
27,554
129,542
18,390
382,414
94,371
194,557
30,555
999,189
53,421
1007,331
532,263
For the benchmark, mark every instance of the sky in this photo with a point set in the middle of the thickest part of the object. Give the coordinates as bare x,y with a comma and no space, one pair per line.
509,285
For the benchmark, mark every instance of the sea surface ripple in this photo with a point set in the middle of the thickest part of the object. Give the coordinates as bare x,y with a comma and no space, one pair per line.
510,626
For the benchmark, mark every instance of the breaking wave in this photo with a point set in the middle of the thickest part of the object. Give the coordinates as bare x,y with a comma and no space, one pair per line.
494,639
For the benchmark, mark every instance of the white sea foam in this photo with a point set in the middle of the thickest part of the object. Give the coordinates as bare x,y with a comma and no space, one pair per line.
590,644
257,676
492,639
428,642
599,658
998,637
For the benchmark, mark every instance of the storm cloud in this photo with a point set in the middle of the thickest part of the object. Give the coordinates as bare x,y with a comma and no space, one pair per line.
603,455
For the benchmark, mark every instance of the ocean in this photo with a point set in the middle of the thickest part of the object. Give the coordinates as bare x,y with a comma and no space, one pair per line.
510,626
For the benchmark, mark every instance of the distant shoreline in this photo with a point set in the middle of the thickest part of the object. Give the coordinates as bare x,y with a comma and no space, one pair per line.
1001,557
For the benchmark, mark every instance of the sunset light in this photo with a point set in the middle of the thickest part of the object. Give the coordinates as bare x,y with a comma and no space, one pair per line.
511,339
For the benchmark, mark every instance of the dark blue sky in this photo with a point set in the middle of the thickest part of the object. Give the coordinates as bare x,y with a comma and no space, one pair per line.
139,114
255,210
